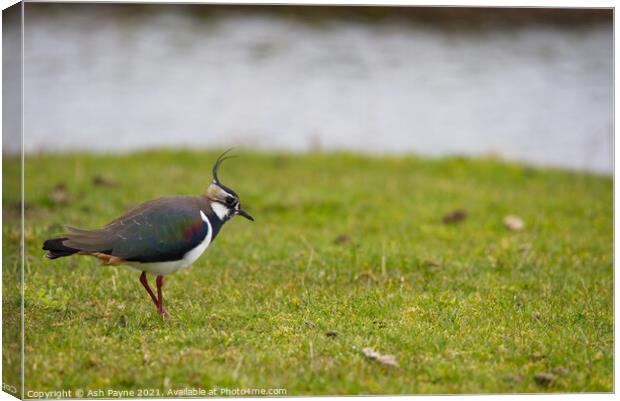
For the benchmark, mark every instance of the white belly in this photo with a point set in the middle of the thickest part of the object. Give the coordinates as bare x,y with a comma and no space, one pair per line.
163,268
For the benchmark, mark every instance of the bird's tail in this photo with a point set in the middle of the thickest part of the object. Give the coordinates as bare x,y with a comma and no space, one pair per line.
56,249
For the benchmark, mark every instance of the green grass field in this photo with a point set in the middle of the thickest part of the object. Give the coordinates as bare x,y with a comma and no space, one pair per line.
342,244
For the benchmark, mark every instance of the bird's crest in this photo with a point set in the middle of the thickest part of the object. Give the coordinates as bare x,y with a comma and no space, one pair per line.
217,164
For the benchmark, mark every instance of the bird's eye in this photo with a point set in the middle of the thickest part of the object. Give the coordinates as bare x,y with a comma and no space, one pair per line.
230,200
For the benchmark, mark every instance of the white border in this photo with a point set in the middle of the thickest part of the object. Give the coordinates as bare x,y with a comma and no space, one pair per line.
453,3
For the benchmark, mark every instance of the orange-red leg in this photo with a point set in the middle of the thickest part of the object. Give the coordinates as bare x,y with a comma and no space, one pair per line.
145,283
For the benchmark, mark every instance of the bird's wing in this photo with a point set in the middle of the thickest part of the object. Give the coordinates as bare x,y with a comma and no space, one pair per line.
156,231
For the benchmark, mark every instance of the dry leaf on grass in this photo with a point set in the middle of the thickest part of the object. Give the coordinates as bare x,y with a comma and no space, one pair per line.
544,378
514,223
455,216
386,360
60,194
309,324
104,181
342,239
367,276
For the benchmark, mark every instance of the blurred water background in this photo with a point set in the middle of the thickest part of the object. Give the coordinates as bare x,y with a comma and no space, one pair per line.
530,85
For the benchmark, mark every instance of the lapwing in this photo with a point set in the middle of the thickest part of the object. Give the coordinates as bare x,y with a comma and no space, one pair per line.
158,237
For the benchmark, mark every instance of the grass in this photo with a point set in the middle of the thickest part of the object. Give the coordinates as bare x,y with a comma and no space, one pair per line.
343,243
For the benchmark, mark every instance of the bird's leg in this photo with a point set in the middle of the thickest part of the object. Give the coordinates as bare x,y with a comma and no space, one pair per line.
160,296
145,283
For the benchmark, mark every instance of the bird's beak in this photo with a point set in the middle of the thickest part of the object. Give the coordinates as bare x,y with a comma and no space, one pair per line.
245,214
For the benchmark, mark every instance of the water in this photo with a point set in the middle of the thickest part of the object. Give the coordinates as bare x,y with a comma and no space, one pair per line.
539,94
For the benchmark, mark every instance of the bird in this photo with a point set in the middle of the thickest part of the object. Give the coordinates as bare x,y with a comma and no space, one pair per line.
157,237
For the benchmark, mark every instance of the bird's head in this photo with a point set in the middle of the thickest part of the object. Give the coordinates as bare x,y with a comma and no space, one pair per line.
224,201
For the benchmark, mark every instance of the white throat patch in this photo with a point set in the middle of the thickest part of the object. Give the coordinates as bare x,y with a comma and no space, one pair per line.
220,210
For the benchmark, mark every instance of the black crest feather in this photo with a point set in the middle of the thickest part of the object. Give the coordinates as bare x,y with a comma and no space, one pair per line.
218,162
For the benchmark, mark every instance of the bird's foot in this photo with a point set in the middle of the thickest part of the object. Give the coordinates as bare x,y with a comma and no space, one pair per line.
164,313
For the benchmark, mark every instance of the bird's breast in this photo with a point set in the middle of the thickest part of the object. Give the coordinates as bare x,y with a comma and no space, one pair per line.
194,253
